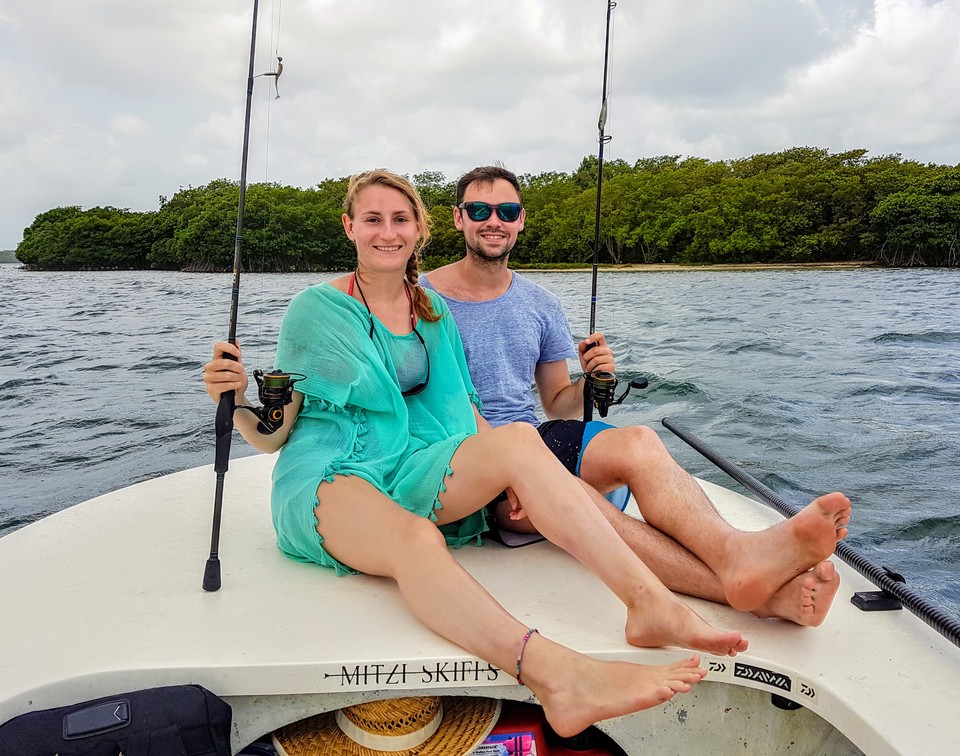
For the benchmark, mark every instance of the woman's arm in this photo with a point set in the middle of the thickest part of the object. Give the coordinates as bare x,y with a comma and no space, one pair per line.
224,374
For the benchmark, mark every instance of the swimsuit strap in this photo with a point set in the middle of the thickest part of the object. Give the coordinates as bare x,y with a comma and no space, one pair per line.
406,289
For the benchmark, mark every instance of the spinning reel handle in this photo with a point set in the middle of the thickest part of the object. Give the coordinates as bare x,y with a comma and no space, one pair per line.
599,391
275,390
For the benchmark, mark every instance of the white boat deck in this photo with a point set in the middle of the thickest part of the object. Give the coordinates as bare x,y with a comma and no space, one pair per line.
106,597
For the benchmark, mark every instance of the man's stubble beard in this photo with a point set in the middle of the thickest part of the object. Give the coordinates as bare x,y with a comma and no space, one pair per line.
485,260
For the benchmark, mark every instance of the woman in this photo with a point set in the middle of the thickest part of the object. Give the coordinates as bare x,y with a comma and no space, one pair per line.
385,455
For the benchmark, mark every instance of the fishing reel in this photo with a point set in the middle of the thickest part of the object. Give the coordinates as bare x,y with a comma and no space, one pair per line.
599,391
276,392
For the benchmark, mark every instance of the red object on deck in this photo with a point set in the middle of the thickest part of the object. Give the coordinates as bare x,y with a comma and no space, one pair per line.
527,725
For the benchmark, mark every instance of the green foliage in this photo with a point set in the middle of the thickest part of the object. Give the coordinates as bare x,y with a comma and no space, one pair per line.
446,243
101,238
800,205
920,225
434,189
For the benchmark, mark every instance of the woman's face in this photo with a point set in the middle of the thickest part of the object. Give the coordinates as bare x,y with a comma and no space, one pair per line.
383,227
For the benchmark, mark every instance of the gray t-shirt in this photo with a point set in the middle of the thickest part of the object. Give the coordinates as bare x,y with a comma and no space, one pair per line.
504,340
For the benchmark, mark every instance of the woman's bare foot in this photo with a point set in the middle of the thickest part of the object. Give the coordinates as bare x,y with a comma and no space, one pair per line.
577,691
806,599
764,561
664,620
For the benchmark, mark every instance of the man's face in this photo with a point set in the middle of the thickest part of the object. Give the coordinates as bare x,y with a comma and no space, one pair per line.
492,239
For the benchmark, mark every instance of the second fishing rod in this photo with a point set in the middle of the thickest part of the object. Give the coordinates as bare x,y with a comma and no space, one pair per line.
599,386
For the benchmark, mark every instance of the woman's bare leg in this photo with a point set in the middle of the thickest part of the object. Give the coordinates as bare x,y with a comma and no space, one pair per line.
514,456
369,532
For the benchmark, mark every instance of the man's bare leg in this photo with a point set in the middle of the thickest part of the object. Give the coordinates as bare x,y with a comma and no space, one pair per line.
804,600
751,566
676,566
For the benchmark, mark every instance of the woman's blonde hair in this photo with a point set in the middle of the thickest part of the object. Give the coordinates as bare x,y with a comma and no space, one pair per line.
382,177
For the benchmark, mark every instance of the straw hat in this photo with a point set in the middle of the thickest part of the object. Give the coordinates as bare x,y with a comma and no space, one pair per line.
421,726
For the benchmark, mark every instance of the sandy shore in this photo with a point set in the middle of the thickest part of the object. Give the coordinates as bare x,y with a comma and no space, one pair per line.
667,268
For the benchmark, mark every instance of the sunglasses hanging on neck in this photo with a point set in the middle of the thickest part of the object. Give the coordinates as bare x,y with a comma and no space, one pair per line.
413,325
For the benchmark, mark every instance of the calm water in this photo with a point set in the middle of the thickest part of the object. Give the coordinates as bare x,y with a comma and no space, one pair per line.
811,380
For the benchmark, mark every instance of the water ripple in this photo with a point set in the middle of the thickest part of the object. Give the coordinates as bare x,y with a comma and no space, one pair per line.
813,381
923,338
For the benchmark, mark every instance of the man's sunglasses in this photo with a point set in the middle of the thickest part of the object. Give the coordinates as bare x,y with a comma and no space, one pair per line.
508,212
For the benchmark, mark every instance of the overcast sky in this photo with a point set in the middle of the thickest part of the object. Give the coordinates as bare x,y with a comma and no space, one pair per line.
117,102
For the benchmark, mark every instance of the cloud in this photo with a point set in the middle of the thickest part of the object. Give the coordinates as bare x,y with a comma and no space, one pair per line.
117,103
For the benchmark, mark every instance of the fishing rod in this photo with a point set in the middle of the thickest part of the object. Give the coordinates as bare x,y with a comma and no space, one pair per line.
602,140
599,387
893,593
274,388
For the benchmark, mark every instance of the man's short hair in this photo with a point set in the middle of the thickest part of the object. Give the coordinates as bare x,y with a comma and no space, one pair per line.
486,174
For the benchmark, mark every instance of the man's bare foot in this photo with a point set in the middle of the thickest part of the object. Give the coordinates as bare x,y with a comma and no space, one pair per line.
806,599
664,620
577,691
761,562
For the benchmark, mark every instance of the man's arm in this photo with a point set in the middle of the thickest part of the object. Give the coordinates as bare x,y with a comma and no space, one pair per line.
562,399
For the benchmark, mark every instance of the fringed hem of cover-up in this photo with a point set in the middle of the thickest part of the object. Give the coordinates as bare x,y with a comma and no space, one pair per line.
455,541
359,420
342,466
326,558
476,401
337,468
443,487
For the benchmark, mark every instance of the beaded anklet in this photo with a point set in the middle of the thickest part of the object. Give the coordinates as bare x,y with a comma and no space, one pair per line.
523,645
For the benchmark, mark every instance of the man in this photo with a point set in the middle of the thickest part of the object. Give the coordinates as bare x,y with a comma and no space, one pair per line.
514,332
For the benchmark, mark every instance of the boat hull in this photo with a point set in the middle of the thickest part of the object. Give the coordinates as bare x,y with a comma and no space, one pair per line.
109,599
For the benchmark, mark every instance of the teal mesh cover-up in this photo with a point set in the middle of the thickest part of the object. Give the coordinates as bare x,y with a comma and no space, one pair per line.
354,420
